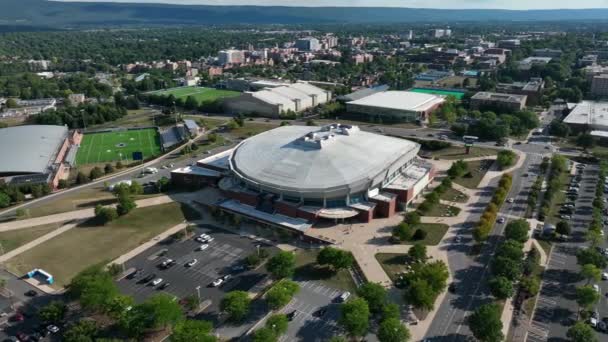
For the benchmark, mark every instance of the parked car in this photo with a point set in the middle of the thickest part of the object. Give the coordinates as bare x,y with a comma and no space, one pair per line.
164,286
31,293
511,200
52,329
343,297
217,282
203,247
292,315
596,288
191,263
501,220
157,281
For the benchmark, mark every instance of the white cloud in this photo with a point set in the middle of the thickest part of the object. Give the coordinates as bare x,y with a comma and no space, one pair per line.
452,4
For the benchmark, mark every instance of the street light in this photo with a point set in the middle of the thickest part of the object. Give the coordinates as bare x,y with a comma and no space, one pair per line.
198,292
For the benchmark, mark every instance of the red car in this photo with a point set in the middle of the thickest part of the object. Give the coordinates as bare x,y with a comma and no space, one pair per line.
18,317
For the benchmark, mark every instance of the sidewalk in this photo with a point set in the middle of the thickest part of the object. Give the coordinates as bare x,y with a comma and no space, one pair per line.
74,215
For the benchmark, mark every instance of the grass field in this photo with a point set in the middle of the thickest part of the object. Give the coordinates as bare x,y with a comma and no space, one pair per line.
307,269
113,146
477,170
201,94
458,152
457,94
393,263
16,238
88,244
454,195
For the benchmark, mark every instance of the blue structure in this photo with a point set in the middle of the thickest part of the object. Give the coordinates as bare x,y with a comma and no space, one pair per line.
35,271
433,75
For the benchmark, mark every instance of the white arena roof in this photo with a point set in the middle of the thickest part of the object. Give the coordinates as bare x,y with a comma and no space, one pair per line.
400,100
29,149
592,113
319,162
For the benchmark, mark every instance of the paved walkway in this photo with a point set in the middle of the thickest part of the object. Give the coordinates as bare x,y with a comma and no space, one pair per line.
74,215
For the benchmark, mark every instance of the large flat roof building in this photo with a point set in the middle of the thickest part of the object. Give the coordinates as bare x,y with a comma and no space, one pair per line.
276,101
402,105
589,115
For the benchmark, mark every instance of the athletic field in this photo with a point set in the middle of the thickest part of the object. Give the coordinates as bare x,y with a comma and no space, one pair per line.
457,94
114,146
201,94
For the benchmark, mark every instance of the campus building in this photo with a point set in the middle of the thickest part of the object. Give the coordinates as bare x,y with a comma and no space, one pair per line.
276,101
532,89
589,115
308,44
599,86
484,99
296,176
404,106
37,154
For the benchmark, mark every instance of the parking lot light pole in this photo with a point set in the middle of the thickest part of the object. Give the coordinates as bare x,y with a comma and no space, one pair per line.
198,292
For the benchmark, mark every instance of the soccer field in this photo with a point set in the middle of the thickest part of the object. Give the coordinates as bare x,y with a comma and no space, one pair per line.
201,94
114,146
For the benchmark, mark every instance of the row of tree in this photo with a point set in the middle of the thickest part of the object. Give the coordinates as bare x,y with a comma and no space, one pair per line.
482,229
554,184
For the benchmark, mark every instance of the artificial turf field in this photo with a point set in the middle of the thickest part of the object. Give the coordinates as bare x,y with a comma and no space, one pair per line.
201,94
108,146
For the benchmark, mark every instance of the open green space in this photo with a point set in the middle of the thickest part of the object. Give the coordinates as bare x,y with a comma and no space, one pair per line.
457,94
308,269
459,152
454,195
89,243
442,210
118,145
16,238
250,129
201,94
434,233
477,169
393,263
81,199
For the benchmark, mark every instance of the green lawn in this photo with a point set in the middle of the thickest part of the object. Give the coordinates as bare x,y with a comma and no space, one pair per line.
558,199
250,129
434,233
454,195
119,145
16,238
545,245
459,152
201,94
477,169
81,199
88,244
393,263
307,269
442,210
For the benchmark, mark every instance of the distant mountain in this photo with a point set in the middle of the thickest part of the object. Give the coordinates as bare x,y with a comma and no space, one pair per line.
66,14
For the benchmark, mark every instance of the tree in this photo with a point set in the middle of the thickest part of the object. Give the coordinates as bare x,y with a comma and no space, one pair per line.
581,332
336,258
586,296
508,268
11,103
485,323
95,173
94,288
105,214
264,334
594,236
590,272
375,295
54,312
282,265
119,304
585,140
505,158
63,184
125,205
5,200
190,103
501,287
403,232
81,178
136,189
391,330
517,230
511,249
591,256
419,234
562,228
458,169
83,331
420,294
161,310
281,293
559,129
354,316
191,330
109,168
531,285
236,304
278,324
412,217
417,253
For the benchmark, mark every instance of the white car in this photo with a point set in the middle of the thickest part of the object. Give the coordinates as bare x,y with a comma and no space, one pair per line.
191,263
511,200
157,281
217,282
203,247
593,322
344,297
604,276
501,220
52,328
596,288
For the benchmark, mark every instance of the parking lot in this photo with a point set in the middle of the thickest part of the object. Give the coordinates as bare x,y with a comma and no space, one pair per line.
219,259
309,324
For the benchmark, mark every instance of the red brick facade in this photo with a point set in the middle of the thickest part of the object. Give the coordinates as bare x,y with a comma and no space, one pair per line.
287,209
385,208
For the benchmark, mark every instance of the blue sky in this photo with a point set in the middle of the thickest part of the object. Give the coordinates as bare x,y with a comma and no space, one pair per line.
506,4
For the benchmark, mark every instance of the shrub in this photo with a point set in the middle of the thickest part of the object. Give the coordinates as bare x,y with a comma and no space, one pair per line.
419,234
